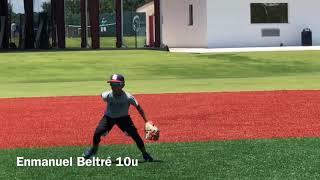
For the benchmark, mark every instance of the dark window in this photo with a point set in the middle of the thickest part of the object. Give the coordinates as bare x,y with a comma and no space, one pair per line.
269,12
190,15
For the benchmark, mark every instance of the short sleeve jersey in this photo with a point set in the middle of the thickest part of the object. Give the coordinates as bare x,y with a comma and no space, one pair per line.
118,106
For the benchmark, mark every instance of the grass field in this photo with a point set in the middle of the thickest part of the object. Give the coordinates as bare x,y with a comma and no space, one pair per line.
84,72
66,73
105,42
109,42
245,159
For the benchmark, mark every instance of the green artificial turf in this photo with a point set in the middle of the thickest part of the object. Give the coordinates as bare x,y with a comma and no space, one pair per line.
109,42
245,159
57,73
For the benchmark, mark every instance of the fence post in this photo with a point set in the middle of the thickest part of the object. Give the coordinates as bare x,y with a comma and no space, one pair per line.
94,22
119,23
61,32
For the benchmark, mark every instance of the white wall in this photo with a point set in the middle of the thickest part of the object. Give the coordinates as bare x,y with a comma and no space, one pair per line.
229,23
175,18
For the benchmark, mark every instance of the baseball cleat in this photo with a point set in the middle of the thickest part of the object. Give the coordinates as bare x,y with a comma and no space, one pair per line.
147,157
89,153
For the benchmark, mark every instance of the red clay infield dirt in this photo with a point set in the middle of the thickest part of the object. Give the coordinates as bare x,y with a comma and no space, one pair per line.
69,121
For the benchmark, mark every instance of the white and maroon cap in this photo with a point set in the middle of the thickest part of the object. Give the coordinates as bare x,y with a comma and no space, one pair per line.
116,78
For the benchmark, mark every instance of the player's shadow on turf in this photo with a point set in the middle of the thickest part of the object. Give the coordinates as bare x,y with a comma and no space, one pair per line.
139,161
154,161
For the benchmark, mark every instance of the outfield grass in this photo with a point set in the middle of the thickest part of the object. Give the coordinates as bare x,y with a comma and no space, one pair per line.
27,74
108,42
253,159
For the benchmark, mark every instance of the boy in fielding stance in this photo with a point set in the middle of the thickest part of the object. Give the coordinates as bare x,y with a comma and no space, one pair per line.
118,102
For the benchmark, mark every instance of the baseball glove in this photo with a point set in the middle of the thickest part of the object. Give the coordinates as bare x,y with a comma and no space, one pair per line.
152,132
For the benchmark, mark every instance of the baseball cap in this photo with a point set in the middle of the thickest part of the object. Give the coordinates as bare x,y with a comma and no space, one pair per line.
116,78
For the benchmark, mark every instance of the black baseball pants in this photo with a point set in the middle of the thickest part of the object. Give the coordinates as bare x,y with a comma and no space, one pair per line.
124,123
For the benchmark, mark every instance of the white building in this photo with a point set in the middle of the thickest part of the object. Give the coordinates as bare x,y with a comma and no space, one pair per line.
235,23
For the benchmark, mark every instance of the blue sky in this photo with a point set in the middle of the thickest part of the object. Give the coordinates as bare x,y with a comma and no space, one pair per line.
18,5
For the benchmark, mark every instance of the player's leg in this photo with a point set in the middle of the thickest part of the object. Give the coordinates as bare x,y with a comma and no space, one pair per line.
126,125
104,127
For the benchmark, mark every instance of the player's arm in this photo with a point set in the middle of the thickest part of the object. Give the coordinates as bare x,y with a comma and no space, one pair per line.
105,96
142,113
104,99
135,103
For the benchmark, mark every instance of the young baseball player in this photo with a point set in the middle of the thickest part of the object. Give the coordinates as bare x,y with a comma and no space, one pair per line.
118,102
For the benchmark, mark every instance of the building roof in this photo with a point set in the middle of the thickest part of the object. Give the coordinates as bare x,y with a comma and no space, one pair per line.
147,7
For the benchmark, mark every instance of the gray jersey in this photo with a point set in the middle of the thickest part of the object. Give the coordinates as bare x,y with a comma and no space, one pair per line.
118,106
